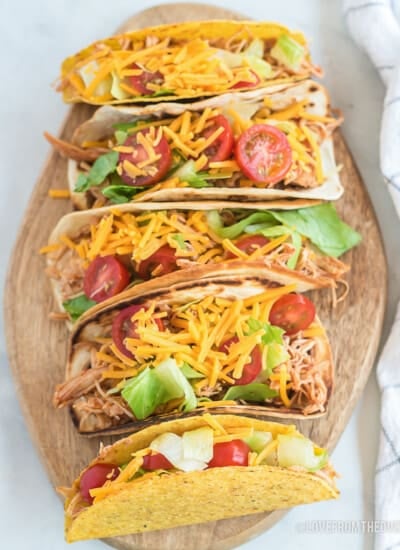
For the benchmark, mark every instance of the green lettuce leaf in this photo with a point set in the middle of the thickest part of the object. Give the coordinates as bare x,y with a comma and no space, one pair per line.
102,167
235,230
178,237
190,373
254,392
144,393
322,225
288,52
77,306
156,386
119,194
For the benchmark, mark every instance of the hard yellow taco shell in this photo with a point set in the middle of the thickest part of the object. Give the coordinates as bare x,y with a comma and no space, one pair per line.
182,32
184,498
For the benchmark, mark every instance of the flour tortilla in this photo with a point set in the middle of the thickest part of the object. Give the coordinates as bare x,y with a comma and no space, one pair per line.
100,127
242,282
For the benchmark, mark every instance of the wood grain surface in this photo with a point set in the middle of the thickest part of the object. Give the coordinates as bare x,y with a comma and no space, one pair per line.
37,346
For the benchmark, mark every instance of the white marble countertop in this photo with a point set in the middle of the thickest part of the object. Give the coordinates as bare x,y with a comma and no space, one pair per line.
35,37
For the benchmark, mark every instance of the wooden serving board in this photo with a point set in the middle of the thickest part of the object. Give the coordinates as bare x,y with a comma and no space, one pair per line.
37,347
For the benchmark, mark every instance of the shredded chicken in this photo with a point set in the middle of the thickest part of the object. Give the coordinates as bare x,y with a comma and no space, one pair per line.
68,150
69,270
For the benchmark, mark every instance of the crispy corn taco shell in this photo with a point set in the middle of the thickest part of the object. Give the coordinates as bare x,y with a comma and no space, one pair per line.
162,502
225,281
204,30
100,127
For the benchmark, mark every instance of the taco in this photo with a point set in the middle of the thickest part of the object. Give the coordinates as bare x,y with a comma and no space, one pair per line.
195,470
242,341
186,60
249,147
94,255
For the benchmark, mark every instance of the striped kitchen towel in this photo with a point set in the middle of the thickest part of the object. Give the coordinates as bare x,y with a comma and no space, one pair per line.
375,27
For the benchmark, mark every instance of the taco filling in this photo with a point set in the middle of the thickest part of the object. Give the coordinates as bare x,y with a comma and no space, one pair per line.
278,142
195,60
176,354
190,452
120,248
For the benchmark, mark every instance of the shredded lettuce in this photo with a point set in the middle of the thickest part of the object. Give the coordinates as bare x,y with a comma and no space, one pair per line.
258,440
233,231
190,373
77,306
178,237
273,338
102,167
253,56
299,451
288,52
254,392
187,172
120,136
119,194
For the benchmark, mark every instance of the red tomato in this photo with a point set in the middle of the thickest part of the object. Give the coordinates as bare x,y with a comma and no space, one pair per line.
154,171
105,277
292,312
247,84
230,453
95,477
251,369
248,244
123,327
264,153
221,148
139,82
164,257
156,462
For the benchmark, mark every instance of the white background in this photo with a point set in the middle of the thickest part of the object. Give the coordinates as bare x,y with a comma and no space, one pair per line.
34,38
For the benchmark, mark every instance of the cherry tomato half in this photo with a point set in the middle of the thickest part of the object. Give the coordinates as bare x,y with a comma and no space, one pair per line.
251,369
164,257
154,171
139,82
156,462
230,453
123,327
264,153
247,84
248,244
95,477
105,277
292,312
221,147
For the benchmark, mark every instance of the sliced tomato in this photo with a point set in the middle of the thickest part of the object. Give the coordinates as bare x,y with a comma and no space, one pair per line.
140,82
164,259
230,453
123,327
105,277
154,171
156,462
251,369
95,477
292,312
248,244
247,84
264,153
221,147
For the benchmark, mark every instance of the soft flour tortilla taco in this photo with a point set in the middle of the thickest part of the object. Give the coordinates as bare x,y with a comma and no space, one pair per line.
250,147
237,339
186,60
94,255
194,470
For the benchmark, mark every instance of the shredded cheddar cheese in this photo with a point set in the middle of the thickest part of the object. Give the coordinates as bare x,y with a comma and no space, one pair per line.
59,193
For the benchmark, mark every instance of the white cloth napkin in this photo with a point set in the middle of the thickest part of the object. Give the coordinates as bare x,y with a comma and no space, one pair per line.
375,27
